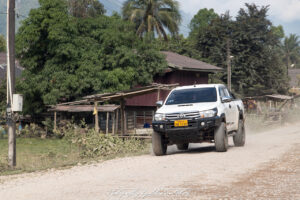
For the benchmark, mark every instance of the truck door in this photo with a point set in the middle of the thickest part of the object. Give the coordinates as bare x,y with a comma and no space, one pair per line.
234,111
227,108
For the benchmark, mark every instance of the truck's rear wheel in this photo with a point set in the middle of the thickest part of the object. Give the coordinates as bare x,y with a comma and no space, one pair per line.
159,145
240,136
221,139
184,146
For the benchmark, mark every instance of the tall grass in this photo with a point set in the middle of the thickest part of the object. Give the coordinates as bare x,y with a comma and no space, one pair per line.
39,154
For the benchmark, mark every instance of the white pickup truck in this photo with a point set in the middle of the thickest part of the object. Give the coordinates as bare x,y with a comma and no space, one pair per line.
198,113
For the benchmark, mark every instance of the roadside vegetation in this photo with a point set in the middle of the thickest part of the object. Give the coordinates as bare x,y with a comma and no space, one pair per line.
66,147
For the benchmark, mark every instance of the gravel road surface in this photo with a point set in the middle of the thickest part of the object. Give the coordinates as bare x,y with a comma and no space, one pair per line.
267,167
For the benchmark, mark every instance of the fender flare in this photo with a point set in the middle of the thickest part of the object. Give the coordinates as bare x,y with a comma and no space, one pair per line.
223,117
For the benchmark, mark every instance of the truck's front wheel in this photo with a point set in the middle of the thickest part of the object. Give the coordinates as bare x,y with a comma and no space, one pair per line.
221,139
159,145
239,137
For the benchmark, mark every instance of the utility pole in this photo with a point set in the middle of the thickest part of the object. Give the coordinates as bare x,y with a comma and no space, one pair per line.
228,64
10,71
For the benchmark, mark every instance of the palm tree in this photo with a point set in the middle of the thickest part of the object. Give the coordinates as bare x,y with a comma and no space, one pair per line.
291,49
153,15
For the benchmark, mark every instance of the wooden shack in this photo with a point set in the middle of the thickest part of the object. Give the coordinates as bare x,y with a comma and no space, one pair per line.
109,118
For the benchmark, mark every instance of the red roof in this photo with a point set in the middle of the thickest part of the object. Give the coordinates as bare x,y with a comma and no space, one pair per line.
186,63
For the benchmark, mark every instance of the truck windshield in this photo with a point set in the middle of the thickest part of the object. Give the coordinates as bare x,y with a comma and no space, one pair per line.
194,95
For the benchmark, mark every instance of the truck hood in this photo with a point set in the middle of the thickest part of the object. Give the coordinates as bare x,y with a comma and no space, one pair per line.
179,108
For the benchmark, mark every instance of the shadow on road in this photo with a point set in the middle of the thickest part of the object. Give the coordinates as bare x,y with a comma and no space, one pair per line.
194,148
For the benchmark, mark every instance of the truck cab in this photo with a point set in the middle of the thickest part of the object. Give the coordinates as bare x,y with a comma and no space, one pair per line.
195,114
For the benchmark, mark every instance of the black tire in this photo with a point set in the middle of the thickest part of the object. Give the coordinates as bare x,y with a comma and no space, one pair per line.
159,145
184,146
221,139
240,136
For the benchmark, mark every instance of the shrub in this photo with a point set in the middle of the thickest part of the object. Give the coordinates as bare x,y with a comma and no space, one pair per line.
31,131
93,144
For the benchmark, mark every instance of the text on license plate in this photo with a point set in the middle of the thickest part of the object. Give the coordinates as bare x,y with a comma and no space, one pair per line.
179,123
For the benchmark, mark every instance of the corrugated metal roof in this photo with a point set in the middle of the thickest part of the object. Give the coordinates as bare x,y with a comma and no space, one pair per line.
83,108
130,93
185,63
279,96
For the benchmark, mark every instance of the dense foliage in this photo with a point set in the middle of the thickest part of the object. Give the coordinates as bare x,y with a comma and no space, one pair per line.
202,20
2,43
153,15
291,51
85,8
257,67
67,57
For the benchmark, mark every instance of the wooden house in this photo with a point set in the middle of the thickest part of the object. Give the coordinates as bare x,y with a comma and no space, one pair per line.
182,70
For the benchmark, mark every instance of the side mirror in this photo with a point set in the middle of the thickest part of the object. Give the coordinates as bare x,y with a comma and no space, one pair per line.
159,103
225,99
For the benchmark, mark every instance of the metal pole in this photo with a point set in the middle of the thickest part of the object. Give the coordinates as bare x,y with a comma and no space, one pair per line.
11,82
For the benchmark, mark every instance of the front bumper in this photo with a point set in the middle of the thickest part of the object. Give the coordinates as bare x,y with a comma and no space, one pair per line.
197,129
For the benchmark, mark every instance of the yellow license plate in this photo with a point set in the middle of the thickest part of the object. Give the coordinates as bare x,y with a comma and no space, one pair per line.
179,123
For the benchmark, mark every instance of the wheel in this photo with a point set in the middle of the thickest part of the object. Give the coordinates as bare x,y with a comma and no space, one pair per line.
221,139
184,146
240,136
159,145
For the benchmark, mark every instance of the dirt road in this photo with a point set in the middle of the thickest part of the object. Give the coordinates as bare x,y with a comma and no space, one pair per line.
268,167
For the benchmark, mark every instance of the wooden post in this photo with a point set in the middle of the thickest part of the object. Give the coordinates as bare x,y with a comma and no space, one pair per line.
55,121
158,95
96,116
107,120
117,121
122,117
134,119
113,123
125,121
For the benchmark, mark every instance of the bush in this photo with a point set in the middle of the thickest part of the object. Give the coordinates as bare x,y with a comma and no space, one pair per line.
93,144
32,131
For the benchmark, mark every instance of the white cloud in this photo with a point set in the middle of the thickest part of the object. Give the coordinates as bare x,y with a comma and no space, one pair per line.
283,10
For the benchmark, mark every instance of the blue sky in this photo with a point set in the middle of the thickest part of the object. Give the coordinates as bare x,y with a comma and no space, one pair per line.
281,12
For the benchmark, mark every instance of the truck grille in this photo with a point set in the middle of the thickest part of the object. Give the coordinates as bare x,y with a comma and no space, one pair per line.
189,115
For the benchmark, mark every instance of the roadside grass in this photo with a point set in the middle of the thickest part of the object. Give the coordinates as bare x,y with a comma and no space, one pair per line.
36,154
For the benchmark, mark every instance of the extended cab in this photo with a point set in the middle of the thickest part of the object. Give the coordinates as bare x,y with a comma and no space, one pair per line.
198,113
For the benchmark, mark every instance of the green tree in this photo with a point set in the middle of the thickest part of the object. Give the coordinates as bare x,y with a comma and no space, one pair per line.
67,58
211,41
86,8
2,43
256,65
202,20
2,99
180,45
153,15
291,50
278,31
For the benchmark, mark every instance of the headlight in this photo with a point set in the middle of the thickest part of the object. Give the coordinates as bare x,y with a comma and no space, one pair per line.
208,113
159,117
